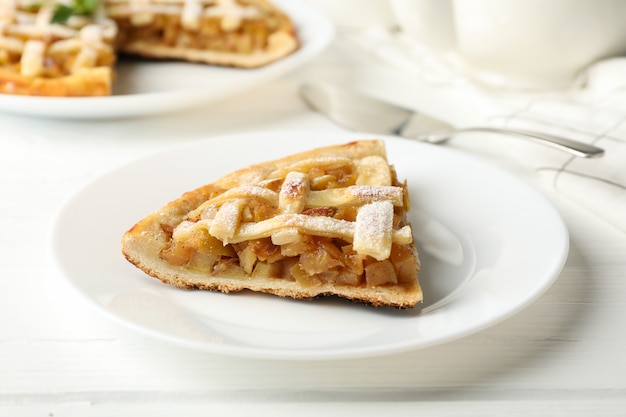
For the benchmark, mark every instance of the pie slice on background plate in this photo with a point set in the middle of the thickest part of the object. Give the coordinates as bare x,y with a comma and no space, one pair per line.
73,53
74,57
329,221
239,33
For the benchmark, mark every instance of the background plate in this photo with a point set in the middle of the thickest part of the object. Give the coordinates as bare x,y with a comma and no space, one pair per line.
489,245
151,87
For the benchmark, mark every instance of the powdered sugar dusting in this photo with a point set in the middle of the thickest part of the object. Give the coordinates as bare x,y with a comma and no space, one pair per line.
226,220
377,193
373,231
293,193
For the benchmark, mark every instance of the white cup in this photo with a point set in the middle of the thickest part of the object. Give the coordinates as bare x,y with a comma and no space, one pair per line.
520,44
354,14
429,22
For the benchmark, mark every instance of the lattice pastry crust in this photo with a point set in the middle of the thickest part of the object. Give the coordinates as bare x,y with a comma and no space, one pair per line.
76,58
41,58
330,221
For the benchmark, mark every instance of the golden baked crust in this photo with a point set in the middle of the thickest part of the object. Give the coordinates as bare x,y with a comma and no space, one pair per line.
40,58
85,82
329,221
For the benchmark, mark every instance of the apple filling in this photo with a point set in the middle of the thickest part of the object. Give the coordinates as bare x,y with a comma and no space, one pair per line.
223,26
315,222
167,30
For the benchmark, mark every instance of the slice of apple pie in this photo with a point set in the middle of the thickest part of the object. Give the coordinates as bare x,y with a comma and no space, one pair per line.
240,33
41,56
330,221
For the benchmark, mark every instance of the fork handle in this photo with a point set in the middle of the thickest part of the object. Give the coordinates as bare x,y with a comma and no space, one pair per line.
576,148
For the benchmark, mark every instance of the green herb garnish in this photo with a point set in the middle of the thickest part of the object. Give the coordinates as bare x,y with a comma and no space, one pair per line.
80,7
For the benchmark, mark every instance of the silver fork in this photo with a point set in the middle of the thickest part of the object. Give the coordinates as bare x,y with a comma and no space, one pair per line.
363,113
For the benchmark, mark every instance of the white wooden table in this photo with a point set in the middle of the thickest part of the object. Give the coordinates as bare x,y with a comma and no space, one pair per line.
563,355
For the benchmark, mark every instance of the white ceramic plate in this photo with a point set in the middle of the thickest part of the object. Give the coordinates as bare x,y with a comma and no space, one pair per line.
150,87
489,246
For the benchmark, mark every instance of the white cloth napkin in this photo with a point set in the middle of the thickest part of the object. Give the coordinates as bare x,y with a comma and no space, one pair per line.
597,184
594,111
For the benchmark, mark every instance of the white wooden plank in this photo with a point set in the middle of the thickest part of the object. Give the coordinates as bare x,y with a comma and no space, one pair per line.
511,408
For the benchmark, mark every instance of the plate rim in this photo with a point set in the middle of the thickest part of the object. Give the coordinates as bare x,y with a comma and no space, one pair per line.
311,354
